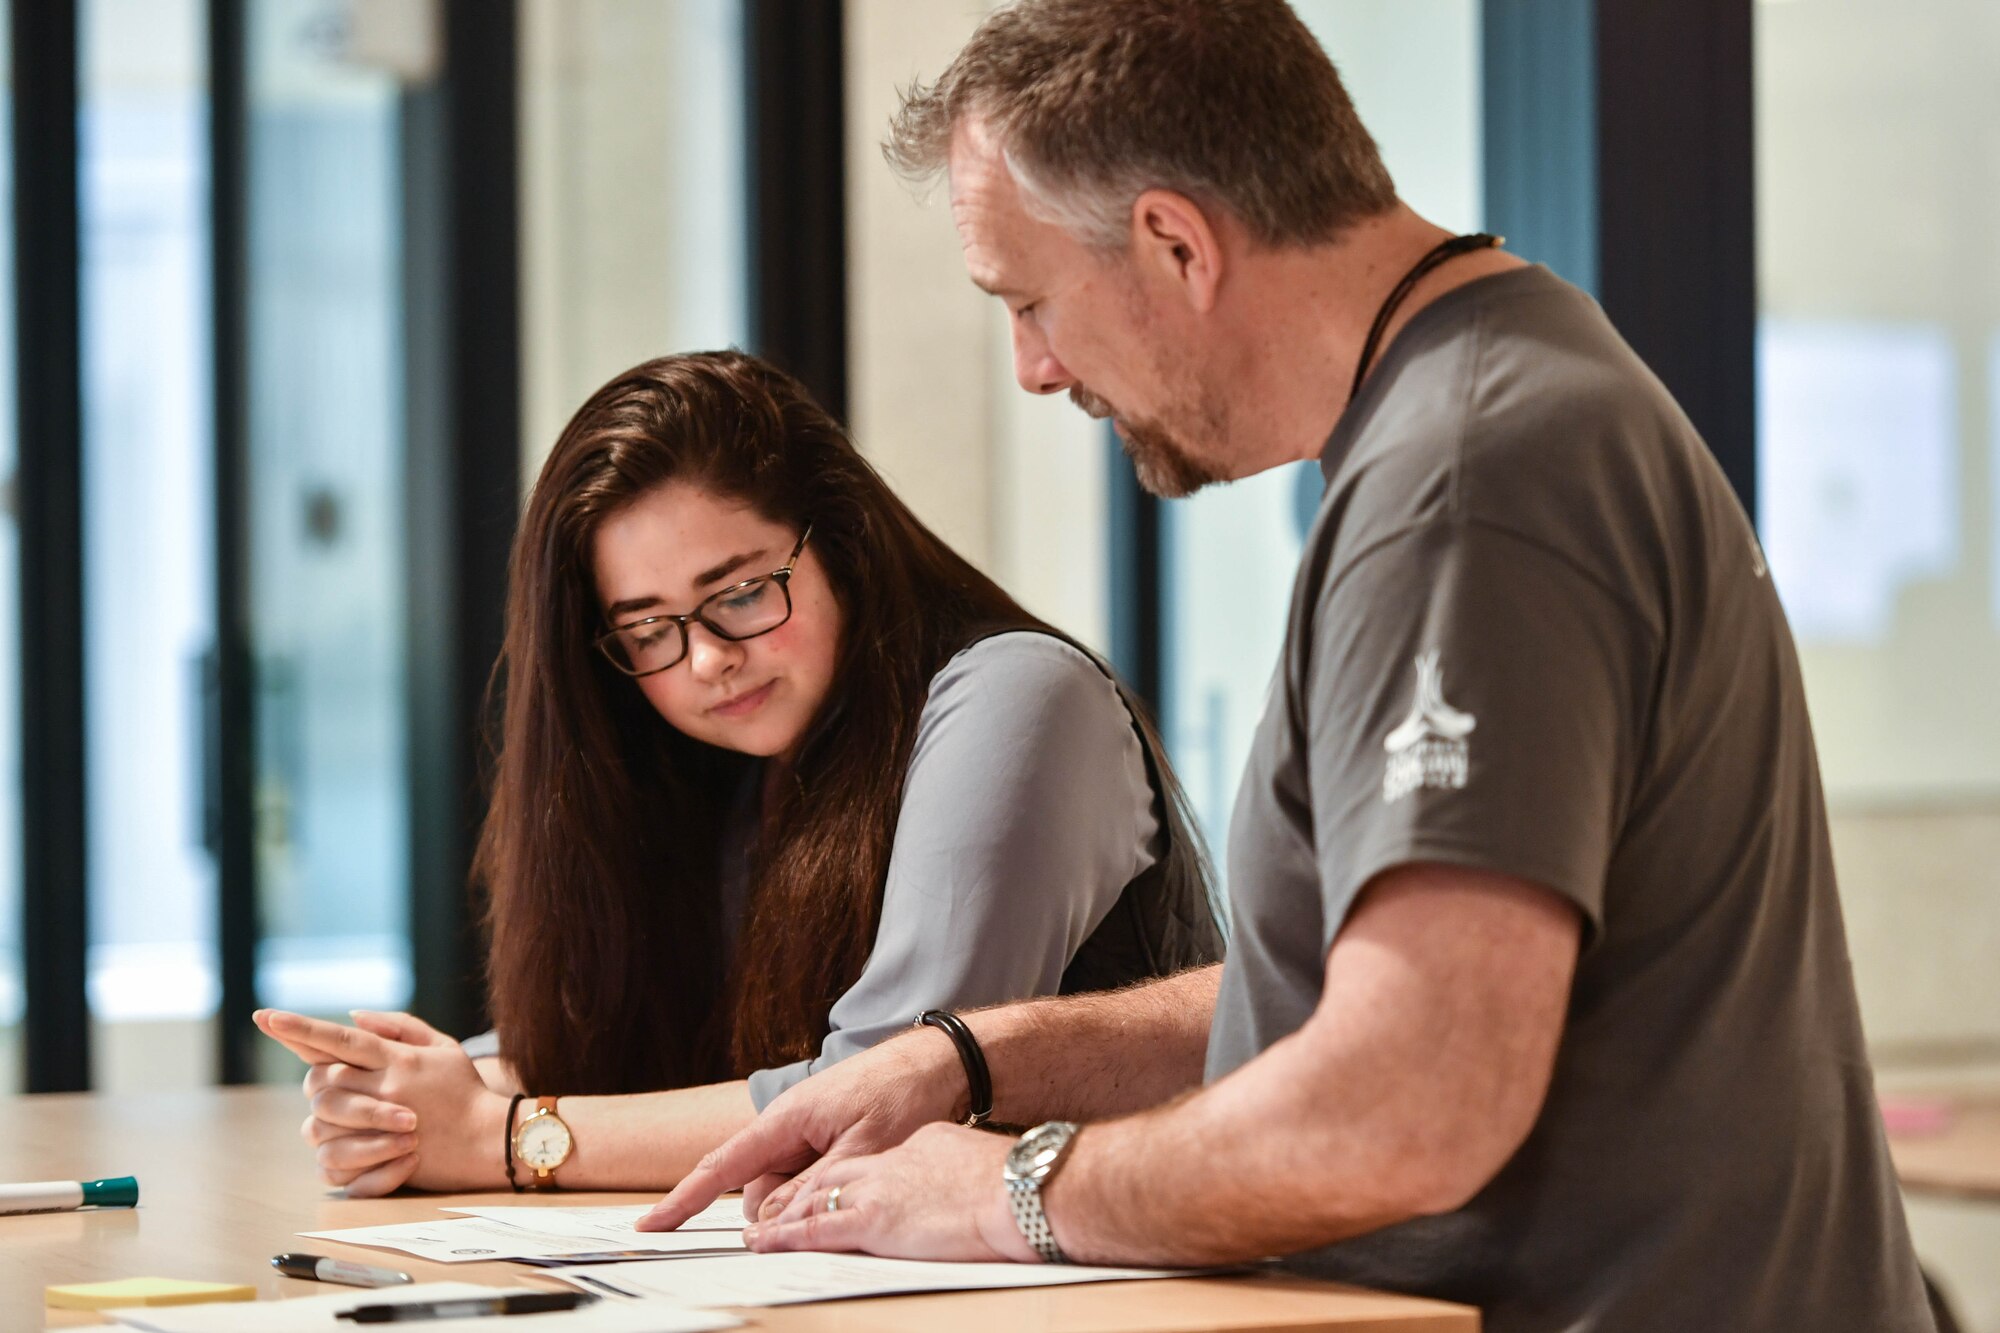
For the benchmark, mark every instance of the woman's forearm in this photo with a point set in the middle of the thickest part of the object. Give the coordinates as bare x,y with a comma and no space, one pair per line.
648,1140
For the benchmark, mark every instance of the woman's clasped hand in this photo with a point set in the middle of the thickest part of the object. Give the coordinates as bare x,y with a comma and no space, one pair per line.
373,1087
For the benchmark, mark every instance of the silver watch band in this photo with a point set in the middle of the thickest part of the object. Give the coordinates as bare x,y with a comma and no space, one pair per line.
1032,1164
1024,1200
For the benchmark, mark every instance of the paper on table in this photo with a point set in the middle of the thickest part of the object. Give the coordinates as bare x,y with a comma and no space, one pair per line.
794,1278
610,1222
315,1314
465,1240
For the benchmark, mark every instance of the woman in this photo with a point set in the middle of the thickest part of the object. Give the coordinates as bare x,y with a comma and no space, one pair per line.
779,771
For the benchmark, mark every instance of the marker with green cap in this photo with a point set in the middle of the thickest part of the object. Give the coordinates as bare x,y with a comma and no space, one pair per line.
66,1196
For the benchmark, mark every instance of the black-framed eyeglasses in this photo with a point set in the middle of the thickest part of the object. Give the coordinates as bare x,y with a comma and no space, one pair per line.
740,611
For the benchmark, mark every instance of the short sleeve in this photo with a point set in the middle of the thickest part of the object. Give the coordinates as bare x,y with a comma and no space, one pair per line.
1474,699
481,1047
1026,811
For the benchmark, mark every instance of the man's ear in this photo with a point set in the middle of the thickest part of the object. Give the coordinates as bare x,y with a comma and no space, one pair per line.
1173,239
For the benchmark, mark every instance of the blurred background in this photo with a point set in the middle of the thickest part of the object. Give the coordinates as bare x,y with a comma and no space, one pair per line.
297,292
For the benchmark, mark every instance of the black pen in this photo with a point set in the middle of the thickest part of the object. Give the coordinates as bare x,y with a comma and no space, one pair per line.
316,1269
602,1285
531,1302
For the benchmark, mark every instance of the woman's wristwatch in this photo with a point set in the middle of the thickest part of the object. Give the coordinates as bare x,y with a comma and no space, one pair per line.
1031,1165
542,1142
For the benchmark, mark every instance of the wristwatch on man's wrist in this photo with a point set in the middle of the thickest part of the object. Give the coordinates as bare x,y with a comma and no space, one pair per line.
1031,1165
542,1143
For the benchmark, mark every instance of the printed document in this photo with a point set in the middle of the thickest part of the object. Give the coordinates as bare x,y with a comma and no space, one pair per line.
558,1233
612,1223
794,1278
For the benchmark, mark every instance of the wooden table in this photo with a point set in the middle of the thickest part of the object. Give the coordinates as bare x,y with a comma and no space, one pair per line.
225,1183
1962,1156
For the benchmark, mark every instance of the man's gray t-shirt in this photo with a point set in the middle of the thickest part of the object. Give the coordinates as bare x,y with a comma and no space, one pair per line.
1532,633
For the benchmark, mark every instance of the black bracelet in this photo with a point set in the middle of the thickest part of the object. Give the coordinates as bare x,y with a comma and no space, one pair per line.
976,1075
507,1147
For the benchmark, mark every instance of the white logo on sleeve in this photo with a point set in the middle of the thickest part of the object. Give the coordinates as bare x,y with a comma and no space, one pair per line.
1428,749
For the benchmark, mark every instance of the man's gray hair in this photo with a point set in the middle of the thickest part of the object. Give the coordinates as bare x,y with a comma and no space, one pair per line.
1093,102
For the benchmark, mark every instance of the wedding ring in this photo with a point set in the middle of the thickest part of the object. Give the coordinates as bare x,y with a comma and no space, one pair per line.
833,1199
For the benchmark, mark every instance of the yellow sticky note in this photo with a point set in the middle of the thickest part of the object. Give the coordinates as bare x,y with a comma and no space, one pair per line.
144,1291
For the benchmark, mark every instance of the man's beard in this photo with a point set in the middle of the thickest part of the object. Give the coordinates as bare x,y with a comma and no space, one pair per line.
1165,467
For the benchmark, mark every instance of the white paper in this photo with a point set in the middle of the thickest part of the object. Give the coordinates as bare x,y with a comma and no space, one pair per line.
608,1223
315,1314
466,1240
793,1278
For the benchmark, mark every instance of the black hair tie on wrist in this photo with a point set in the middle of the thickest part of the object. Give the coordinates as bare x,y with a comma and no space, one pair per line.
507,1146
969,1055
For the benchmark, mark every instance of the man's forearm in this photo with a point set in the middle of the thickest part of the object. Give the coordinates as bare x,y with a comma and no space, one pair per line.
1418,1075
1090,1057
1082,1057
1236,1172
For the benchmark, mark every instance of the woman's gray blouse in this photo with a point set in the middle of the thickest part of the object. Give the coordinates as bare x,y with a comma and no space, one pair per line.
1026,812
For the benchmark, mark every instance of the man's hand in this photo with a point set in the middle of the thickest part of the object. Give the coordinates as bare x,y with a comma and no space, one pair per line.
938,1196
371,1086
865,1104
1411,1085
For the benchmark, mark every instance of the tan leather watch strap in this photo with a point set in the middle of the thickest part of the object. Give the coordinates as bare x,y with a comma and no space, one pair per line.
544,1178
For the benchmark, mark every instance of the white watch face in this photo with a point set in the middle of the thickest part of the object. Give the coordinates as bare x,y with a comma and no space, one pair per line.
544,1143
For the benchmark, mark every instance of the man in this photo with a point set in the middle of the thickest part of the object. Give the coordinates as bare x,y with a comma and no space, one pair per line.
1538,997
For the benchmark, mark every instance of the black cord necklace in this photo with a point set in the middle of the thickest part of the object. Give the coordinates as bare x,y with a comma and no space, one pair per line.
1439,253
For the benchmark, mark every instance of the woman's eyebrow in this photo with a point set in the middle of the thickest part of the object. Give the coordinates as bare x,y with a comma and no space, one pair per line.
716,573
629,605
713,574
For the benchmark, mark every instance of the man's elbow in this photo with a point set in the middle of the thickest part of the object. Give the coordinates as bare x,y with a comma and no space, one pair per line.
1457,1166
1419,1164
1446,1188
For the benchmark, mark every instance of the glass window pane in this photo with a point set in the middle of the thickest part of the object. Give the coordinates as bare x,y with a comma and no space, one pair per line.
143,195
1232,551
11,996
326,521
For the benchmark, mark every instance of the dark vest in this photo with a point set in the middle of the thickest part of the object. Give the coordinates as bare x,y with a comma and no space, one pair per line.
1162,923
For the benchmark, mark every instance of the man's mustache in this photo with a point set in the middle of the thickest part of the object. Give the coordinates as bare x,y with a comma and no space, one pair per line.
1091,404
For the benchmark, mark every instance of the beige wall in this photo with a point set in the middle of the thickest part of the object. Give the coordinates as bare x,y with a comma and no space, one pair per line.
631,213
920,355
1015,483
1923,924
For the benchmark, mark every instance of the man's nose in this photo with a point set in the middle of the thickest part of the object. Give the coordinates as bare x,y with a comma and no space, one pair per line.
1035,366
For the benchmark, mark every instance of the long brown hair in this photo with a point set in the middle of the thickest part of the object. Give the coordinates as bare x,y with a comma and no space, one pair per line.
602,847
